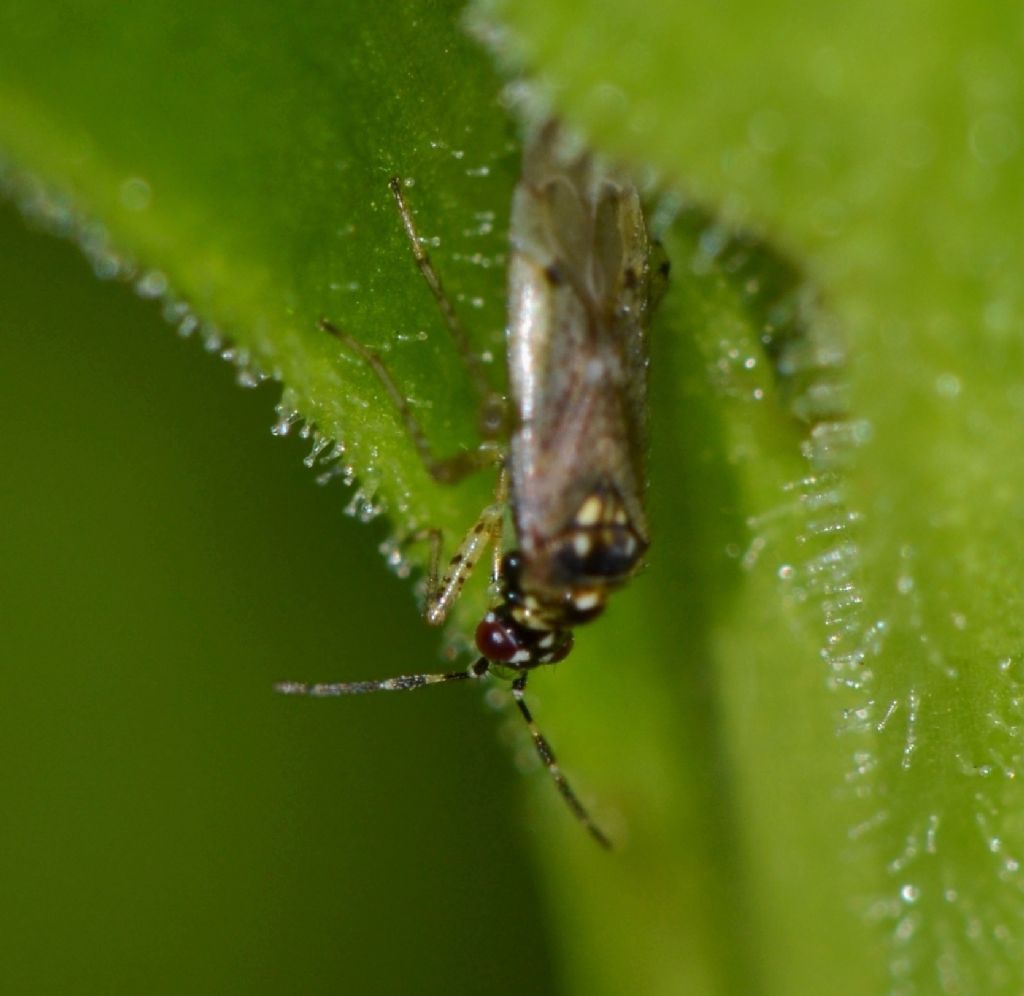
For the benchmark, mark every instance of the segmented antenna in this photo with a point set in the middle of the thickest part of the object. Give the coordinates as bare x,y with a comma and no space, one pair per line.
402,683
407,682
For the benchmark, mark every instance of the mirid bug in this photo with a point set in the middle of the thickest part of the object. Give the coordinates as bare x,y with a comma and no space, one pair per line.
570,465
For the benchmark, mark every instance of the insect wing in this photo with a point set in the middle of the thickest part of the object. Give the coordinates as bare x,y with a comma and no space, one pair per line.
578,288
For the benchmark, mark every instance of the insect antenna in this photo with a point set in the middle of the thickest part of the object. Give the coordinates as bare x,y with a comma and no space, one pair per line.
547,755
402,683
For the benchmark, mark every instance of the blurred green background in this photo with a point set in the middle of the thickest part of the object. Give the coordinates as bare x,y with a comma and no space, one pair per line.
170,825
805,721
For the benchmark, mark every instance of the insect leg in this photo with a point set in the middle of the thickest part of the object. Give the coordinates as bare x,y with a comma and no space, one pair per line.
444,590
444,470
548,757
492,405
402,683
441,593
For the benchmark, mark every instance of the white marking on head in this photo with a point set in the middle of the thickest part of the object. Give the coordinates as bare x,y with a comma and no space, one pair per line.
586,600
590,511
581,544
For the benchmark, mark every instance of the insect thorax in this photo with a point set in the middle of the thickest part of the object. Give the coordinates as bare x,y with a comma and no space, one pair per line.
566,577
562,583
600,546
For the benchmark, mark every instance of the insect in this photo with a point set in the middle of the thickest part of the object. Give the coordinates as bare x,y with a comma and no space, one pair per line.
569,443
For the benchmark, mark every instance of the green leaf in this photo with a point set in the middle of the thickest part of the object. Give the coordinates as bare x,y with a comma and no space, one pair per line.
173,826
876,828
803,720
238,162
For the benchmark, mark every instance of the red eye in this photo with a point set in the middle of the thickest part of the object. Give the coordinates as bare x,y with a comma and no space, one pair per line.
495,640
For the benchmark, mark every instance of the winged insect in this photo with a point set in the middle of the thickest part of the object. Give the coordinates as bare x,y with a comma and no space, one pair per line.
569,442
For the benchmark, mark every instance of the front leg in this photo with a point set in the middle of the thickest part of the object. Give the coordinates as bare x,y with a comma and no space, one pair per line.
443,590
